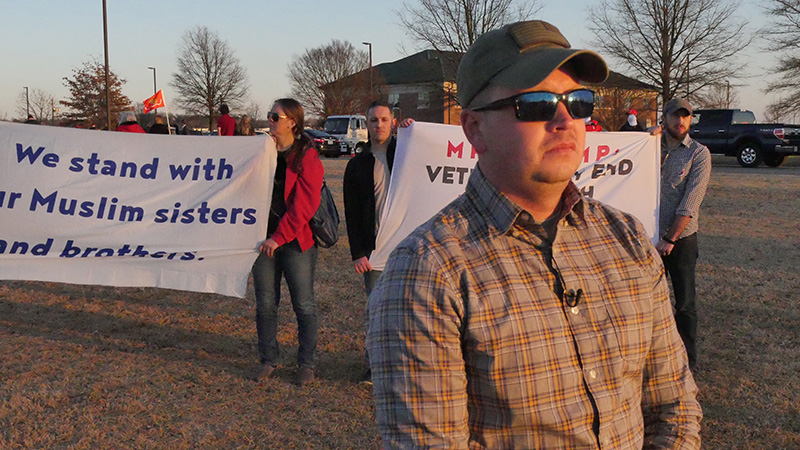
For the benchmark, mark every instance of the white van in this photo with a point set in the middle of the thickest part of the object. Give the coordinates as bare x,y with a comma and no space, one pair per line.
351,131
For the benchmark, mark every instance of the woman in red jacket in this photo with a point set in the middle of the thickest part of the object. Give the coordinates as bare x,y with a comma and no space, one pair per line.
289,249
128,124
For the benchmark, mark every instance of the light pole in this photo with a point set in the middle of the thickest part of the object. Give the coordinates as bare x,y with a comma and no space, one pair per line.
155,91
27,103
105,48
371,89
727,94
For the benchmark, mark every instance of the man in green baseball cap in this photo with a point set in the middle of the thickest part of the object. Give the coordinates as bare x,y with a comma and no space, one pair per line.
524,315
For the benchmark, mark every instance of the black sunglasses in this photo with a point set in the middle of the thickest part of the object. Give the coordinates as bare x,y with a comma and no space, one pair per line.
274,117
541,106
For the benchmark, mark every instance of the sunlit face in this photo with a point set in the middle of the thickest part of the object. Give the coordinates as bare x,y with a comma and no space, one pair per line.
380,123
678,123
284,127
516,156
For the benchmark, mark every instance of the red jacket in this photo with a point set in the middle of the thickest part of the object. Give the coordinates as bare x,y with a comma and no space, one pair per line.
302,196
593,126
130,127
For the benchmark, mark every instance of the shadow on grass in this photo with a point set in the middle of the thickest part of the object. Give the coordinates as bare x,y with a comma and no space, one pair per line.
58,312
146,296
109,333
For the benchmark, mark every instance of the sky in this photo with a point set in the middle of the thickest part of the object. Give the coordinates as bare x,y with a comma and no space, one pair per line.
43,41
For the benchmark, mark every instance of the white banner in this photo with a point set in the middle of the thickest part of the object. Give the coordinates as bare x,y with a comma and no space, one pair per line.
127,209
433,163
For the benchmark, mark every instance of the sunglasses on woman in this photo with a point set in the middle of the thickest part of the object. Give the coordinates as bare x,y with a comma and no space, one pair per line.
274,117
541,106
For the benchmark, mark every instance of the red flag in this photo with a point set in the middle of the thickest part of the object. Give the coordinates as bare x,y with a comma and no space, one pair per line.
156,101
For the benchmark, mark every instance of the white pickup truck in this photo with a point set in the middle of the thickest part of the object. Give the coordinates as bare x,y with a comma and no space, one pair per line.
351,131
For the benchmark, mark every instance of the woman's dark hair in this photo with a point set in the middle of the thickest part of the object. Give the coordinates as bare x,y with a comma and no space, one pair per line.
294,110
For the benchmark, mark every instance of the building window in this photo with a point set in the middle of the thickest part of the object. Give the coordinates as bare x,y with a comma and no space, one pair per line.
394,100
423,100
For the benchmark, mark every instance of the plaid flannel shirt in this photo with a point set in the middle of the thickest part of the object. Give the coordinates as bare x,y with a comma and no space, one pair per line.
472,346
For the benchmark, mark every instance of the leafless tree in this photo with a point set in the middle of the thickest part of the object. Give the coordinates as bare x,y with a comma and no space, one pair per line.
253,110
42,105
331,79
681,46
453,25
784,34
723,95
209,74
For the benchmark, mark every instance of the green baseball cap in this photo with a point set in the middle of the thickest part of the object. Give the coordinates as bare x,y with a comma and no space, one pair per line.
521,55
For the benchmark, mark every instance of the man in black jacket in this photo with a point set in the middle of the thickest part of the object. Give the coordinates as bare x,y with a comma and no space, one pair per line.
366,185
159,127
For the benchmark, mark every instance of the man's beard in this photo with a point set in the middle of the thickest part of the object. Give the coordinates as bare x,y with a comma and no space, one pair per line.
677,136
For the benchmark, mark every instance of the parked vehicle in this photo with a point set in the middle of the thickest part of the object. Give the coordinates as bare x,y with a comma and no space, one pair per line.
325,143
734,132
351,130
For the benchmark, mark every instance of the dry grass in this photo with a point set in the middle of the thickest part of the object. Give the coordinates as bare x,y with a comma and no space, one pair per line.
749,293
86,367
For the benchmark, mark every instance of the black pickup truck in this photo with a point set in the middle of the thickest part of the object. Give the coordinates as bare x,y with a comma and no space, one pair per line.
734,132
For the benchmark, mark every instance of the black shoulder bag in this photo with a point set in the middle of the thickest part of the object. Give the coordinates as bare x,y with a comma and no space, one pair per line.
325,223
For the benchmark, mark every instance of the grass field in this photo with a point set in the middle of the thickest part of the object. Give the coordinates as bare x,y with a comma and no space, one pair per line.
87,367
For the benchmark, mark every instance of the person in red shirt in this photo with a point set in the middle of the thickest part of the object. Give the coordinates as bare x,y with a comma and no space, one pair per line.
128,124
225,123
632,123
289,248
592,125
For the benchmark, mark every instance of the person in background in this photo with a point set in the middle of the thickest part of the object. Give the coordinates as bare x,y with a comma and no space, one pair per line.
365,189
685,173
128,123
289,250
159,127
185,130
632,123
32,121
592,125
525,315
245,127
226,125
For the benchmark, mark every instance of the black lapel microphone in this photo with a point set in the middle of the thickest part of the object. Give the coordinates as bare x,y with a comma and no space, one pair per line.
572,298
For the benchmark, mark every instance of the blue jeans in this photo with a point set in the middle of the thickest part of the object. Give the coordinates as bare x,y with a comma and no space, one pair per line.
298,268
370,278
680,265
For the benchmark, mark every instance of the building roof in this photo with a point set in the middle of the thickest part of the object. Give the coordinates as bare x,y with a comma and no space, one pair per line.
422,67
620,81
440,66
